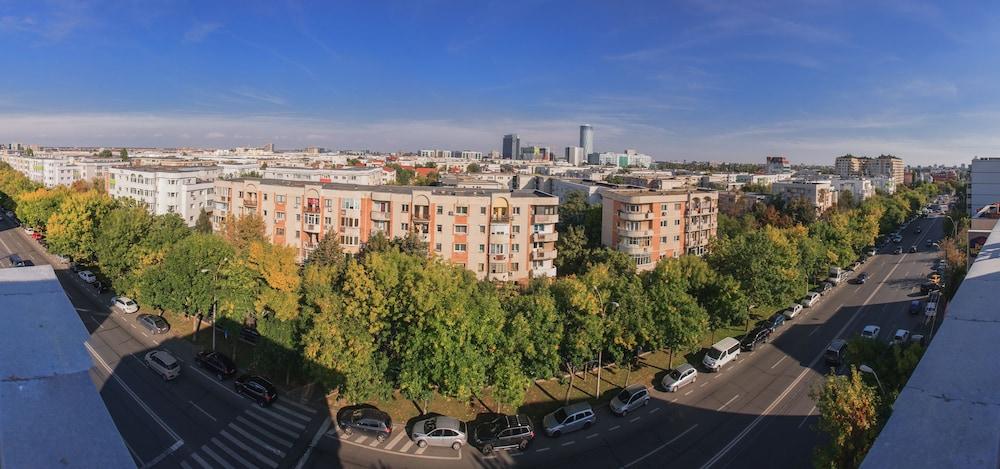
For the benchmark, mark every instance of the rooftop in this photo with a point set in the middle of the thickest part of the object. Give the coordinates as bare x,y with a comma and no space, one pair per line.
51,414
436,190
948,415
170,169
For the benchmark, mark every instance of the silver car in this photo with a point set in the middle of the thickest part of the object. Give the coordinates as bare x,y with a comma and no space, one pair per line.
569,419
153,324
631,398
440,431
125,304
679,377
164,364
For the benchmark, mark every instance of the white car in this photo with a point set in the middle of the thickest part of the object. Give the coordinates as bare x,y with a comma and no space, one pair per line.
901,336
87,276
793,310
125,304
29,230
870,332
684,374
164,364
809,300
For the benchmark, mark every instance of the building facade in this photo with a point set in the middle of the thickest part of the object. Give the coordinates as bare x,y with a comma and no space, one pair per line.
587,139
821,195
860,188
630,158
361,176
576,156
649,225
777,165
850,166
499,235
984,184
52,172
166,189
511,147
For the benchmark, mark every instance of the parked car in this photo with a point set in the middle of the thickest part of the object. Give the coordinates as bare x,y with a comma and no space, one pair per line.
125,304
16,261
37,236
898,250
834,353
809,300
26,263
929,287
861,278
870,332
931,309
257,389
629,399
368,420
29,230
164,364
503,432
679,377
721,353
793,311
913,248
439,431
915,307
87,276
775,321
824,287
755,337
871,251
219,364
901,336
934,277
154,324
569,419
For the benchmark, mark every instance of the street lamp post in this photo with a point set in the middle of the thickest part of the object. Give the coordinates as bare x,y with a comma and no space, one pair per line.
867,369
600,350
215,300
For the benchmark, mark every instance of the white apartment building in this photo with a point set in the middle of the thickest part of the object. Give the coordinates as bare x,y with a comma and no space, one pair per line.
860,188
885,184
630,158
350,175
238,169
984,184
52,172
167,189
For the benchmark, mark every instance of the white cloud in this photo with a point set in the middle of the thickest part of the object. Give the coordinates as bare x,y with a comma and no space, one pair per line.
199,31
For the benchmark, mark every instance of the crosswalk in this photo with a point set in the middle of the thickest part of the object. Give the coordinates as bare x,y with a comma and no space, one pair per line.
259,438
398,442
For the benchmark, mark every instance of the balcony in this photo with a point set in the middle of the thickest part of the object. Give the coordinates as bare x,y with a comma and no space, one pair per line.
543,254
542,218
312,228
499,229
633,248
544,272
249,202
422,217
544,237
498,257
635,216
378,215
312,208
635,233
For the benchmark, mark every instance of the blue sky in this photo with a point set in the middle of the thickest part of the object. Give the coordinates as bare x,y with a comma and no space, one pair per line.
705,80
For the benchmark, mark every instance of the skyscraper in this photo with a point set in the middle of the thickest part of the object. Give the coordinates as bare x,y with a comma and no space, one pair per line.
587,139
511,147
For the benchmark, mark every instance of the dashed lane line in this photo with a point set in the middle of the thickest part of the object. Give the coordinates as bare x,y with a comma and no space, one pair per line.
657,409
595,435
614,428
808,414
196,406
569,443
542,450
634,420
658,448
784,357
728,402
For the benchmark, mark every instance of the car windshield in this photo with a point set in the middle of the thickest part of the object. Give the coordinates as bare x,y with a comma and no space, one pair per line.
129,303
560,415
430,425
715,353
625,395
172,366
675,375
158,321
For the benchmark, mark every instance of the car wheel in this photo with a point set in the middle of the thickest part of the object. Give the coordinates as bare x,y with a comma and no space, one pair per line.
556,434
645,402
523,445
695,379
380,437
624,413
422,444
456,446
588,424
487,449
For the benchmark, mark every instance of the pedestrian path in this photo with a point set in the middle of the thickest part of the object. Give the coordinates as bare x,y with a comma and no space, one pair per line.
259,438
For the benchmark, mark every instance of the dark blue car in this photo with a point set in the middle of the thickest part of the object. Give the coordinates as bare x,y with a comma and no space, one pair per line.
775,321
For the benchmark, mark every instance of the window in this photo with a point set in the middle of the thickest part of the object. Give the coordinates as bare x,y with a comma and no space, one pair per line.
279,215
328,220
459,248
482,267
482,228
515,248
329,203
440,210
265,196
663,239
278,198
482,248
514,267
298,217
677,237
482,210
664,207
677,206
404,226
461,229
437,247
279,231
537,245
348,204
677,221
437,228
498,248
297,234
664,222
462,210
515,229
405,208
312,218
516,210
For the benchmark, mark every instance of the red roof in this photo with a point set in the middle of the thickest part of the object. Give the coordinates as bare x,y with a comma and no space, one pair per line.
424,172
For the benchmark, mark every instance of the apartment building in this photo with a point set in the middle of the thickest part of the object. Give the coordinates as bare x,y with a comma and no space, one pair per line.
629,158
984,184
166,189
53,171
819,194
649,225
360,176
860,188
850,166
499,235
737,203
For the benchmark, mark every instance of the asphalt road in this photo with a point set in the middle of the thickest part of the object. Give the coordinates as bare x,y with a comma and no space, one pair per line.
194,421
756,412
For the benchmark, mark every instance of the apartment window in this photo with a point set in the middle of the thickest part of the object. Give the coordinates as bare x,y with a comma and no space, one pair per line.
437,228
404,226
516,210
349,204
328,203
677,221
482,228
498,248
297,234
538,245
328,220
537,228
677,237
349,222
482,267
514,267
462,210
515,248
482,248
437,247
677,206
265,211
279,231
461,229
664,222
515,229
664,207
482,210
312,219
278,198
298,217
265,196
171,194
663,239
405,208
279,215
459,248
349,240
298,201
440,210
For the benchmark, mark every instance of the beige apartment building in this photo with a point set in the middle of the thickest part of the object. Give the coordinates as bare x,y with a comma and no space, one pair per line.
819,194
850,166
497,234
649,225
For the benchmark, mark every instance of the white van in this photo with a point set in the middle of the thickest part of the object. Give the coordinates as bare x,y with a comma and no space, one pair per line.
810,299
724,351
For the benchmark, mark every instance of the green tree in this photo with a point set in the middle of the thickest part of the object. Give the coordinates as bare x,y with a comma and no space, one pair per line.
191,276
72,229
576,211
105,154
533,329
123,154
473,168
848,414
243,230
36,207
328,252
573,252
764,262
204,223
119,245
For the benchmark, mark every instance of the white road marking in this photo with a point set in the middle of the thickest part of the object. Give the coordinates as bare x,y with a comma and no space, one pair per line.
254,439
728,402
299,406
248,449
361,439
289,411
808,414
541,450
264,431
688,393
216,457
406,447
614,428
319,434
634,420
134,454
658,448
200,461
729,446
568,443
815,330
212,379
702,385
595,435
782,359
657,409
271,424
420,450
196,406
232,453
273,414
395,441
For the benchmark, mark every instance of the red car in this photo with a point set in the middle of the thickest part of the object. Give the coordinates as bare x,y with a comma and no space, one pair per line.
37,236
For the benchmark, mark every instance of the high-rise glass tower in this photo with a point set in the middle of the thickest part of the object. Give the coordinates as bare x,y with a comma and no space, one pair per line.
587,139
511,147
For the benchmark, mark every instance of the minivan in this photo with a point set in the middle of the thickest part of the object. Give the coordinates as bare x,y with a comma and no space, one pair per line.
724,351
834,354
569,418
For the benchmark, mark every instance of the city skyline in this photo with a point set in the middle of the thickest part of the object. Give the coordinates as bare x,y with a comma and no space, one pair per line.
676,81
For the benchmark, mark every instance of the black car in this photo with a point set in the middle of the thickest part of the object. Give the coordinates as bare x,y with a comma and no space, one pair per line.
217,363
503,432
862,278
929,287
753,338
26,263
256,388
834,353
774,322
913,248
898,250
366,420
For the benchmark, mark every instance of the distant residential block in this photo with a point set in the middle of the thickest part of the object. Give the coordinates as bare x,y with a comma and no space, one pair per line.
819,194
166,189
